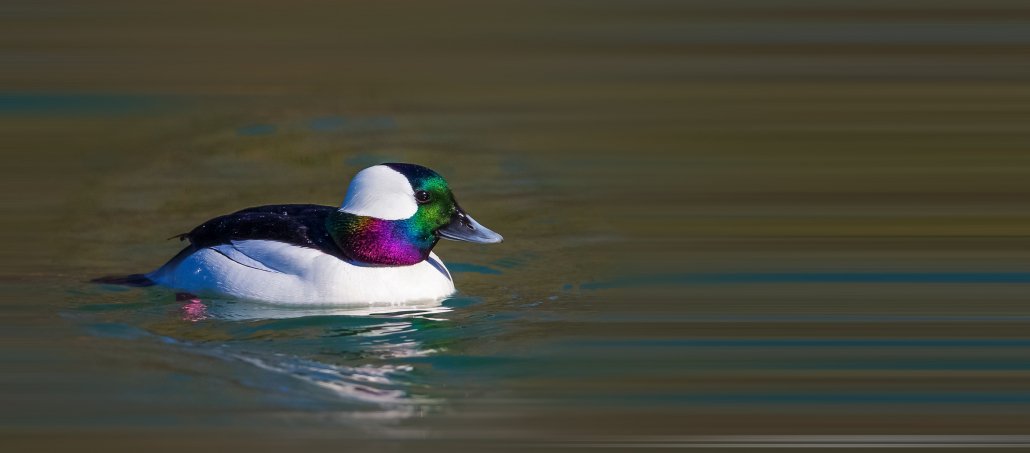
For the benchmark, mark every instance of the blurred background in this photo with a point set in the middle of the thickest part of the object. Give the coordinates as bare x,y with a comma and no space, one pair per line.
734,223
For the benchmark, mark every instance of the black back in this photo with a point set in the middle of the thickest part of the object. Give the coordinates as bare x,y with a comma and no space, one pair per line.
298,224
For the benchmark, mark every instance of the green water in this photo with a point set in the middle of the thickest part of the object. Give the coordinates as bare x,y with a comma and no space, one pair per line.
751,223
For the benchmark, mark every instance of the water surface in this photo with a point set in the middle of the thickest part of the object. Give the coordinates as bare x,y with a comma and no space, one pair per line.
751,224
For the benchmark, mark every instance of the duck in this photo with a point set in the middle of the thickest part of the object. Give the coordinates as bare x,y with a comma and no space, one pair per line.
377,247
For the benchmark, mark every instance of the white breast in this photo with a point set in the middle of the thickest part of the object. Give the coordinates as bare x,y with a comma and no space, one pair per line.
282,273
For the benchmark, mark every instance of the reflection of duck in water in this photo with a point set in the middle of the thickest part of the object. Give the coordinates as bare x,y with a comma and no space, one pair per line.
377,247
195,309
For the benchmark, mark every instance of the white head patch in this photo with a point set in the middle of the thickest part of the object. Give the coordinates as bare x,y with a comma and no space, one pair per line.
381,192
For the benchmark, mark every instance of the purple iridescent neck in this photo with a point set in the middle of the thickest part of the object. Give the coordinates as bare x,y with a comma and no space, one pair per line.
378,242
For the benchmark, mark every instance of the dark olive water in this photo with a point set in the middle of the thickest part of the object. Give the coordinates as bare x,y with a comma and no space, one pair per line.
762,224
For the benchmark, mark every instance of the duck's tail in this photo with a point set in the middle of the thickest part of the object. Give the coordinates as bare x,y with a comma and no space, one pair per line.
126,280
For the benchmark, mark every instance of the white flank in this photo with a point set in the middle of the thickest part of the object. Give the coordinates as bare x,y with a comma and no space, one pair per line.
381,192
281,273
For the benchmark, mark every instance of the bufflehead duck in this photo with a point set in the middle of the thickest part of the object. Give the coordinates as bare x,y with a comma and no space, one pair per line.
376,247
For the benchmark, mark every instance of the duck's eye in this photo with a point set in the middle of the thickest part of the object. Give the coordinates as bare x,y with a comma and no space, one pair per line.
422,196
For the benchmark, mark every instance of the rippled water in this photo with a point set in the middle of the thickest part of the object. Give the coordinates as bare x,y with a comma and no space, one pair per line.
723,225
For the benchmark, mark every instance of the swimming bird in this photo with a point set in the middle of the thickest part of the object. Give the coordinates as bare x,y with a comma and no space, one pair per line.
376,247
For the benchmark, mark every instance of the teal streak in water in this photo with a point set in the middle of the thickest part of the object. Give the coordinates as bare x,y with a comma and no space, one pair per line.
744,278
76,103
255,130
820,343
863,398
326,124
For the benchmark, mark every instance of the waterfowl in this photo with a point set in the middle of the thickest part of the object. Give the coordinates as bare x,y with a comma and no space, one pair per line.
376,247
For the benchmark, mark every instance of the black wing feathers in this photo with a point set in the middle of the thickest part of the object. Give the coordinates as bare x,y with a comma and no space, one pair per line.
298,224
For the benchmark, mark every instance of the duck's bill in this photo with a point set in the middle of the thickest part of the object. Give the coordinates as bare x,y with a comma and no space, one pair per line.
464,228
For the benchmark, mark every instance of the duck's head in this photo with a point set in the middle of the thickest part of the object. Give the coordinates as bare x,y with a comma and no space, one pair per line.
395,213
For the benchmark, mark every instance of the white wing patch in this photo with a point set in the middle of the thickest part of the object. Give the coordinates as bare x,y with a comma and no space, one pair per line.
278,256
235,254
380,192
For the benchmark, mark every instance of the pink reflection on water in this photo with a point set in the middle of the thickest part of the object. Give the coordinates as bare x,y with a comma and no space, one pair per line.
193,309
